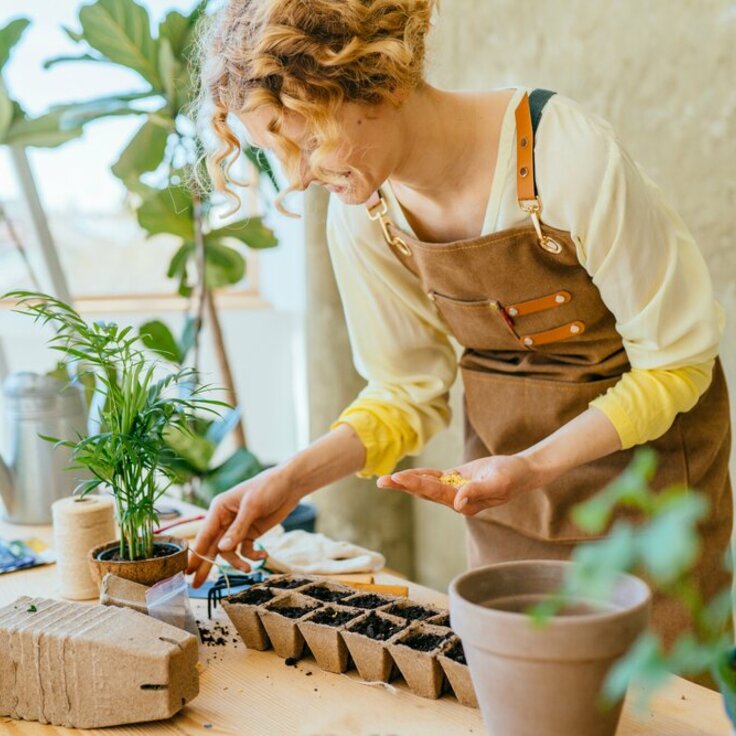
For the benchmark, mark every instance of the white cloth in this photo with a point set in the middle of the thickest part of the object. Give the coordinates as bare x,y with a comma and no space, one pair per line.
315,554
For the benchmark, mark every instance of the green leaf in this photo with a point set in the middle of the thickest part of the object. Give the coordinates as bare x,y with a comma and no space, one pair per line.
196,450
175,29
239,467
644,663
188,336
75,36
724,673
168,211
258,158
669,545
45,131
64,58
10,34
221,428
6,113
224,266
252,232
168,68
144,152
75,114
121,31
156,336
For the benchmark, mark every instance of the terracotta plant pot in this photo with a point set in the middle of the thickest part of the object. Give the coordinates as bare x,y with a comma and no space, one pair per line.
145,572
530,679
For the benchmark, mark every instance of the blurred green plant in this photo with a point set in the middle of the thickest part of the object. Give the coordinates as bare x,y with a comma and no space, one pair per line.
157,167
663,550
194,449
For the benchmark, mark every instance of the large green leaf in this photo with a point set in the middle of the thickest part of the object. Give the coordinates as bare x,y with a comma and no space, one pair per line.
45,131
144,152
156,336
9,36
252,232
221,427
224,266
121,31
239,467
64,58
168,211
75,114
175,28
6,113
196,450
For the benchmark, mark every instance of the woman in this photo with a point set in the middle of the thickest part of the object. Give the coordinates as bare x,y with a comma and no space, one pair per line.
511,219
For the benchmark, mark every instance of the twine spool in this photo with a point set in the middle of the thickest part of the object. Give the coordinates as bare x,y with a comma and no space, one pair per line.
79,525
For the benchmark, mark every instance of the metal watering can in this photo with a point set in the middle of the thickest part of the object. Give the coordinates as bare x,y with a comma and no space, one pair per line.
35,476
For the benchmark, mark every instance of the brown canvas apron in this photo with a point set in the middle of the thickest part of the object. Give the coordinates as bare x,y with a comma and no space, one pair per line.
539,346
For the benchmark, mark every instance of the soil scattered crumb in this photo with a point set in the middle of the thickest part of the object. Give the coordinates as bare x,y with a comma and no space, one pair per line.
290,662
315,690
217,636
207,725
308,674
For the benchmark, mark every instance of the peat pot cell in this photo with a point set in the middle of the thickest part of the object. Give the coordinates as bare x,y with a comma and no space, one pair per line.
412,611
368,601
243,611
441,619
322,632
279,618
452,661
286,582
366,639
328,592
415,652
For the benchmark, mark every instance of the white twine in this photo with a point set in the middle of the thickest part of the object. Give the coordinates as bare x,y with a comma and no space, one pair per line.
80,524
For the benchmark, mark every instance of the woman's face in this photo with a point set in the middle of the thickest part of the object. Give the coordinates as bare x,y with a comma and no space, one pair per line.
365,158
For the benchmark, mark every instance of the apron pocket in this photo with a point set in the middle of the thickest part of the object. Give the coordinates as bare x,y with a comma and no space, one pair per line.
479,325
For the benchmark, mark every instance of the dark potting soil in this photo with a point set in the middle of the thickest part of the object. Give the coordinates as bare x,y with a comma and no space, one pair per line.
287,584
371,600
443,621
160,549
333,617
411,613
253,596
422,642
375,627
291,611
456,653
217,636
322,593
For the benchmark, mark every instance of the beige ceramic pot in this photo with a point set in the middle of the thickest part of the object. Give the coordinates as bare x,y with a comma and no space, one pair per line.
531,680
146,572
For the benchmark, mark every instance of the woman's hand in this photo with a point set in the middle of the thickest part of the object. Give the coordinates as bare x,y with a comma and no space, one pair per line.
238,517
491,481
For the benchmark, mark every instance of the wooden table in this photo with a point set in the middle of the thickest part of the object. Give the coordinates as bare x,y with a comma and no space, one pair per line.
249,693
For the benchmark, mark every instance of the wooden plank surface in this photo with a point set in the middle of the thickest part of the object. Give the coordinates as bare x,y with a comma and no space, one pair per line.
249,693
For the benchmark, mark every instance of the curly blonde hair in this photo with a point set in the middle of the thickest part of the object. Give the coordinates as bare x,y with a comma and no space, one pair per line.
306,57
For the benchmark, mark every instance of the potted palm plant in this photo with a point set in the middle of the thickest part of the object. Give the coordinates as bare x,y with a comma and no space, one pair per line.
128,455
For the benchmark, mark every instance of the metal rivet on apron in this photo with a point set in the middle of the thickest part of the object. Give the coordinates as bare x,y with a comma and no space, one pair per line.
513,311
523,171
560,299
524,142
528,341
551,246
430,294
574,329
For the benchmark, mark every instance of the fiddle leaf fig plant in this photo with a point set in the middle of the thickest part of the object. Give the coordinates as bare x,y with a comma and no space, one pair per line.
141,406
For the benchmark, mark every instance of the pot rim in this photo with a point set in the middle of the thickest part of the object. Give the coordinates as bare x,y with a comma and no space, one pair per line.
625,612
180,542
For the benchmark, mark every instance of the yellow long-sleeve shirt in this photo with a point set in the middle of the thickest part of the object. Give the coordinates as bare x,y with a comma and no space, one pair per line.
638,251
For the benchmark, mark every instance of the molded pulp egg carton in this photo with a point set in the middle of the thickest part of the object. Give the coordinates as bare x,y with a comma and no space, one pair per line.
343,628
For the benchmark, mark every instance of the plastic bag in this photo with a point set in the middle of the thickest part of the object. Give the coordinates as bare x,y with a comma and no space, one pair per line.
168,601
